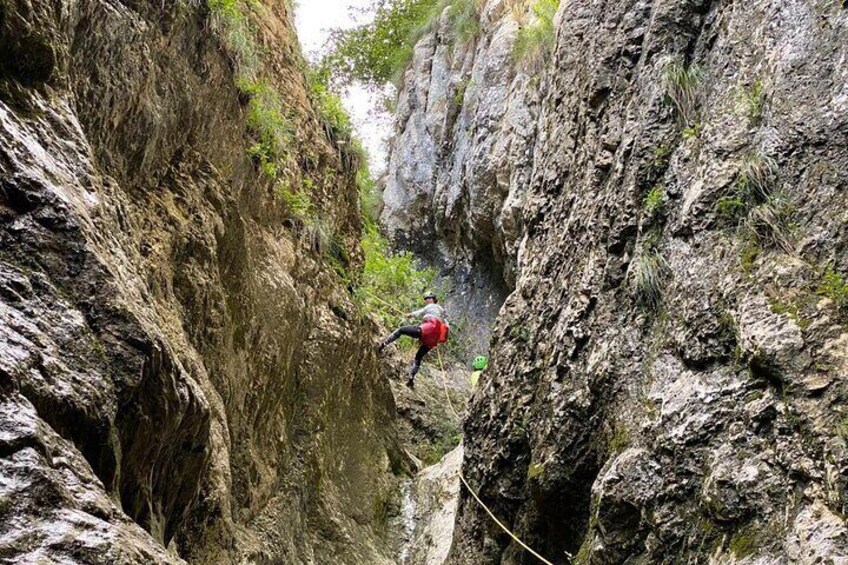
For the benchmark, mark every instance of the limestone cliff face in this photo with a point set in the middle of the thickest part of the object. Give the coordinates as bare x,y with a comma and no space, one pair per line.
460,163
177,367
668,382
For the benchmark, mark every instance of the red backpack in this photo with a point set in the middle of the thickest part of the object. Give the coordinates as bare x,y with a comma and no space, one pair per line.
434,331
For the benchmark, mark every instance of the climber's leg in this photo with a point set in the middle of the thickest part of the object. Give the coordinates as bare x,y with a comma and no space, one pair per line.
411,331
416,364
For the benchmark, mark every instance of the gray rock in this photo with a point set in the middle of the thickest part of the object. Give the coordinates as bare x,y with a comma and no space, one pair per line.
729,387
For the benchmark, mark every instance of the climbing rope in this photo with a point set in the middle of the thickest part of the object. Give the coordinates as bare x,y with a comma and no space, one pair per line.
471,490
461,476
445,384
502,526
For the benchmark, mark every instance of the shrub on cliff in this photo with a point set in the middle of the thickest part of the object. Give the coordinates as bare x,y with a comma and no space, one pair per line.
536,38
391,283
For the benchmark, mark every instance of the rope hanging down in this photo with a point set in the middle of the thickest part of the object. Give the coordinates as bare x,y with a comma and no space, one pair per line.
471,490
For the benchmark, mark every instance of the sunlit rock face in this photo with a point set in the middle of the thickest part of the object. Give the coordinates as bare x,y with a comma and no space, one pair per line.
666,196
177,368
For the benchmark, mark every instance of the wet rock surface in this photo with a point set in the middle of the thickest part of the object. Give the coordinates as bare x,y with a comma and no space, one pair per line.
177,367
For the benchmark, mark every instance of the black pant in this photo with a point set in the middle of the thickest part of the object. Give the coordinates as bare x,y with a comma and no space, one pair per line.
411,331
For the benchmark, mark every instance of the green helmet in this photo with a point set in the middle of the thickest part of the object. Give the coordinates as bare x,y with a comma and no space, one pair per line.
431,294
480,363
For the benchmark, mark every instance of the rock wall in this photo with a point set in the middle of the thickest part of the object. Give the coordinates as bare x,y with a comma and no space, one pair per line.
667,383
461,159
178,367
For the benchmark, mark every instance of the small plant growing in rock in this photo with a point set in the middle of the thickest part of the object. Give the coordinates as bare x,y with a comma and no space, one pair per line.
648,275
656,165
693,131
768,223
329,104
465,19
731,208
757,177
536,38
297,202
461,89
231,23
748,255
682,85
269,125
834,287
535,470
620,439
654,202
754,185
752,100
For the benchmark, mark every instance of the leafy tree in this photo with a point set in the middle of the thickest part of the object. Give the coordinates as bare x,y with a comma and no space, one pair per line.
372,53
375,53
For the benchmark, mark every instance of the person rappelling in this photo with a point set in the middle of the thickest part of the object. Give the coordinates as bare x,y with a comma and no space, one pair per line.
432,331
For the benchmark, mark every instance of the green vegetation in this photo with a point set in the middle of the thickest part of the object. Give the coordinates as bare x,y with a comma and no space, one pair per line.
461,89
269,125
754,185
752,100
536,38
768,223
535,470
757,178
377,52
392,283
842,428
834,287
648,273
519,333
620,439
370,198
793,310
232,24
585,552
731,208
656,165
297,201
748,255
693,131
744,543
464,17
432,453
329,104
654,202
682,91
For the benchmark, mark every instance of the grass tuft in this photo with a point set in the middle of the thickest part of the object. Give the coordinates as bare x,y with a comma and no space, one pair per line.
648,277
752,100
535,40
654,202
682,91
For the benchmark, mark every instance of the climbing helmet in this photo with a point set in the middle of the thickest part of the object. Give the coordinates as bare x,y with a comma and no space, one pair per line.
480,363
